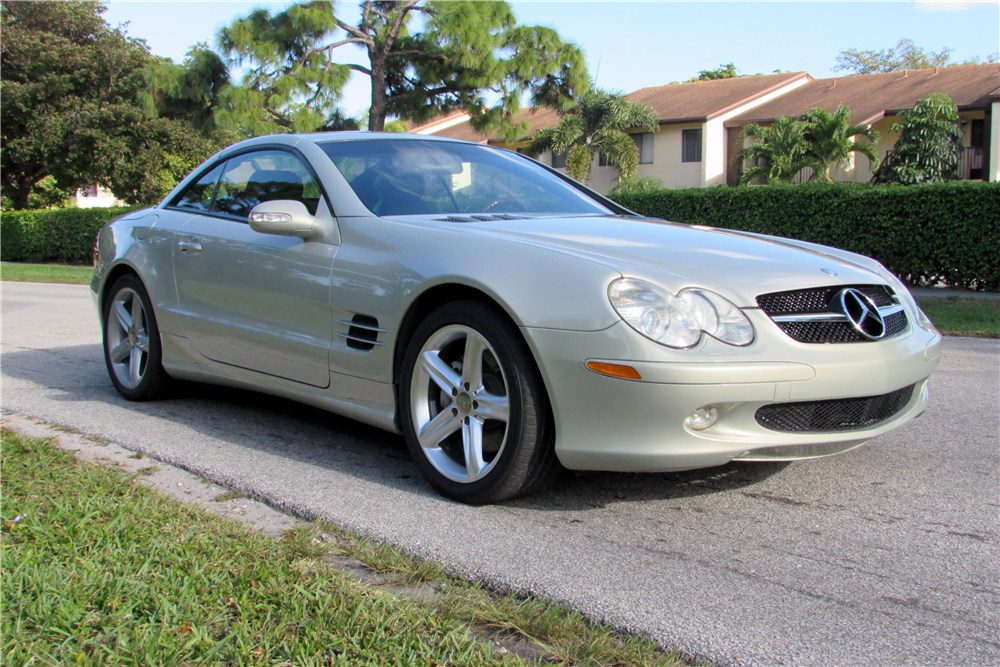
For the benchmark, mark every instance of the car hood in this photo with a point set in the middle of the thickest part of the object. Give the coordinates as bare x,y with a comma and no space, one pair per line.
738,265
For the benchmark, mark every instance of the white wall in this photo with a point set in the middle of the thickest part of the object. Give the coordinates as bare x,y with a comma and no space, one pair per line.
104,199
994,170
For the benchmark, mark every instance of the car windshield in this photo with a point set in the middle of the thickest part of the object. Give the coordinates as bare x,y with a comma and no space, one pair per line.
414,177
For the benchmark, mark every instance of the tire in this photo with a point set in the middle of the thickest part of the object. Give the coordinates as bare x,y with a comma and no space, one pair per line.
480,433
132,350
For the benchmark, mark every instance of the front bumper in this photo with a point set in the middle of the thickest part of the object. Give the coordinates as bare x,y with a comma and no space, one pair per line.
605,423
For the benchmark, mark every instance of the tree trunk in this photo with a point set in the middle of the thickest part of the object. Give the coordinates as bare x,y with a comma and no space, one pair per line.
380,101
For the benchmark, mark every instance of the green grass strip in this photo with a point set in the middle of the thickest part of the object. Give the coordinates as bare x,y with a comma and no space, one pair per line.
959,316
46,273
99,570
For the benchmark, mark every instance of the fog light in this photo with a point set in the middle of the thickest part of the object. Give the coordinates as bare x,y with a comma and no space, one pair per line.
701,419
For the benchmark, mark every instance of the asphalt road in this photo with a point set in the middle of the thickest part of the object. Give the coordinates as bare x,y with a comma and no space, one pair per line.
886,555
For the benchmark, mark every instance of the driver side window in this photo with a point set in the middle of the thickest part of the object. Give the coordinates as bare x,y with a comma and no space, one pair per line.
263,176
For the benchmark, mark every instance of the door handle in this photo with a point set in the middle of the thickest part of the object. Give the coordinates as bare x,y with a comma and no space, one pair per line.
189,247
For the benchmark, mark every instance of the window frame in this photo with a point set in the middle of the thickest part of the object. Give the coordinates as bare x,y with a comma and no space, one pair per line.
563,155
684,142
225,160
638,144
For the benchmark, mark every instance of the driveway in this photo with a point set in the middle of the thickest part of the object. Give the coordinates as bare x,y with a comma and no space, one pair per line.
886,555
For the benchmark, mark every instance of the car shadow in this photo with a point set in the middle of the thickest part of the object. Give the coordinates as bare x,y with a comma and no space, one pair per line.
304,434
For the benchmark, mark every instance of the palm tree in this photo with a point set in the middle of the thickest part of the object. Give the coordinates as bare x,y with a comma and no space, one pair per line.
778,152
830,139
595,124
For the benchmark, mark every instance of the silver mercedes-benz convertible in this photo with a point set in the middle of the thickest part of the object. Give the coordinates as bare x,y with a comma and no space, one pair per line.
506,320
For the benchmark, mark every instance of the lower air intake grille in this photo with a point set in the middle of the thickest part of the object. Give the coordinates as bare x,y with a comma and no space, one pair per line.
844,414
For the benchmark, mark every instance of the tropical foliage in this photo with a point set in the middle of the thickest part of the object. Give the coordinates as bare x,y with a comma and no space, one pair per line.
817,139
831,138
929,144
777,154
631,186
462,52
597,124
71,114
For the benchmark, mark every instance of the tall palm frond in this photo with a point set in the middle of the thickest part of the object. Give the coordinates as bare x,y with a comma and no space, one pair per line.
778,153
833,137
597,122
620,151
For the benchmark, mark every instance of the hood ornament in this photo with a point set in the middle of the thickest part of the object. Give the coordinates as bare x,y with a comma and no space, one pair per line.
829,272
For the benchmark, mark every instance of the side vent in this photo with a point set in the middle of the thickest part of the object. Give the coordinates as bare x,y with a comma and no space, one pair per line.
363,332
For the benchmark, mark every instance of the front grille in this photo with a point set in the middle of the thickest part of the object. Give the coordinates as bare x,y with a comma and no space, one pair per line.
822,332
817,300
843,414
838,332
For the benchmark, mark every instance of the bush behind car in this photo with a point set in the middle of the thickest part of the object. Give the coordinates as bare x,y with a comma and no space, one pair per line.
54,235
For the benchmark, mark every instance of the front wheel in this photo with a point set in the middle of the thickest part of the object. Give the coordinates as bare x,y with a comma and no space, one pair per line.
132,349
475,413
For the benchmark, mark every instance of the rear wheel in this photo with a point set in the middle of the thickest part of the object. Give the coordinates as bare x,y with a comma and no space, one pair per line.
132,349
475,413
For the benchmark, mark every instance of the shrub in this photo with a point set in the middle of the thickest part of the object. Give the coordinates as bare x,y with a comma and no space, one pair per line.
58,235
922,233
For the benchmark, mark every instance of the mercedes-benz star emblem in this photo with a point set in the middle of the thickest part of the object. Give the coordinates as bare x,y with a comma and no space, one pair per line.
862,313
829,272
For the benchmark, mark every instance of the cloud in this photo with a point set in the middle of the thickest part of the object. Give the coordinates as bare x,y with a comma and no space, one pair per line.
948,5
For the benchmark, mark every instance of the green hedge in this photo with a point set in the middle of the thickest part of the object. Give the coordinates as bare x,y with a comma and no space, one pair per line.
54,235
922,233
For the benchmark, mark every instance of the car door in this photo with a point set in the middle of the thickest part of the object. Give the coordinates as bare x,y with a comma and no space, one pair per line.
257,301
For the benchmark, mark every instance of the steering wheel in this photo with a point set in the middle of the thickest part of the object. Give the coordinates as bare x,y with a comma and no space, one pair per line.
505,201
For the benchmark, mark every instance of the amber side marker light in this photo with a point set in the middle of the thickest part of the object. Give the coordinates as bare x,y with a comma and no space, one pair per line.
614,370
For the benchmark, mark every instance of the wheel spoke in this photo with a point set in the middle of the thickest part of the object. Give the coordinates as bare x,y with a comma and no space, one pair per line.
137,313
134,363
472,362
142,342
440,372
124,319
489,406
121,351
439,428
472,439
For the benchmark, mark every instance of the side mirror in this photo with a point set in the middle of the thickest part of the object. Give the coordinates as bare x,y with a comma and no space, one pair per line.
284,217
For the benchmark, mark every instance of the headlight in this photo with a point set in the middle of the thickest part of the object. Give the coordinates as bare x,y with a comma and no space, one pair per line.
678,321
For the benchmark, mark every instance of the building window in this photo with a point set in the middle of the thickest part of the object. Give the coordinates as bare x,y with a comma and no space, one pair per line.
89,191
559,159
691,146
644,142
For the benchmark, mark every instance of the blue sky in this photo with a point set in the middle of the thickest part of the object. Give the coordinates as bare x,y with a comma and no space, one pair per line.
632,45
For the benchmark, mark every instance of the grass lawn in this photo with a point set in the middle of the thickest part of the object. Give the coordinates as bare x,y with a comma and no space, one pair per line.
100,570
46,273
963,317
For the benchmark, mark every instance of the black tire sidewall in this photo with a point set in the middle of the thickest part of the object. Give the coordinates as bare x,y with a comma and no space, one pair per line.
522,384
